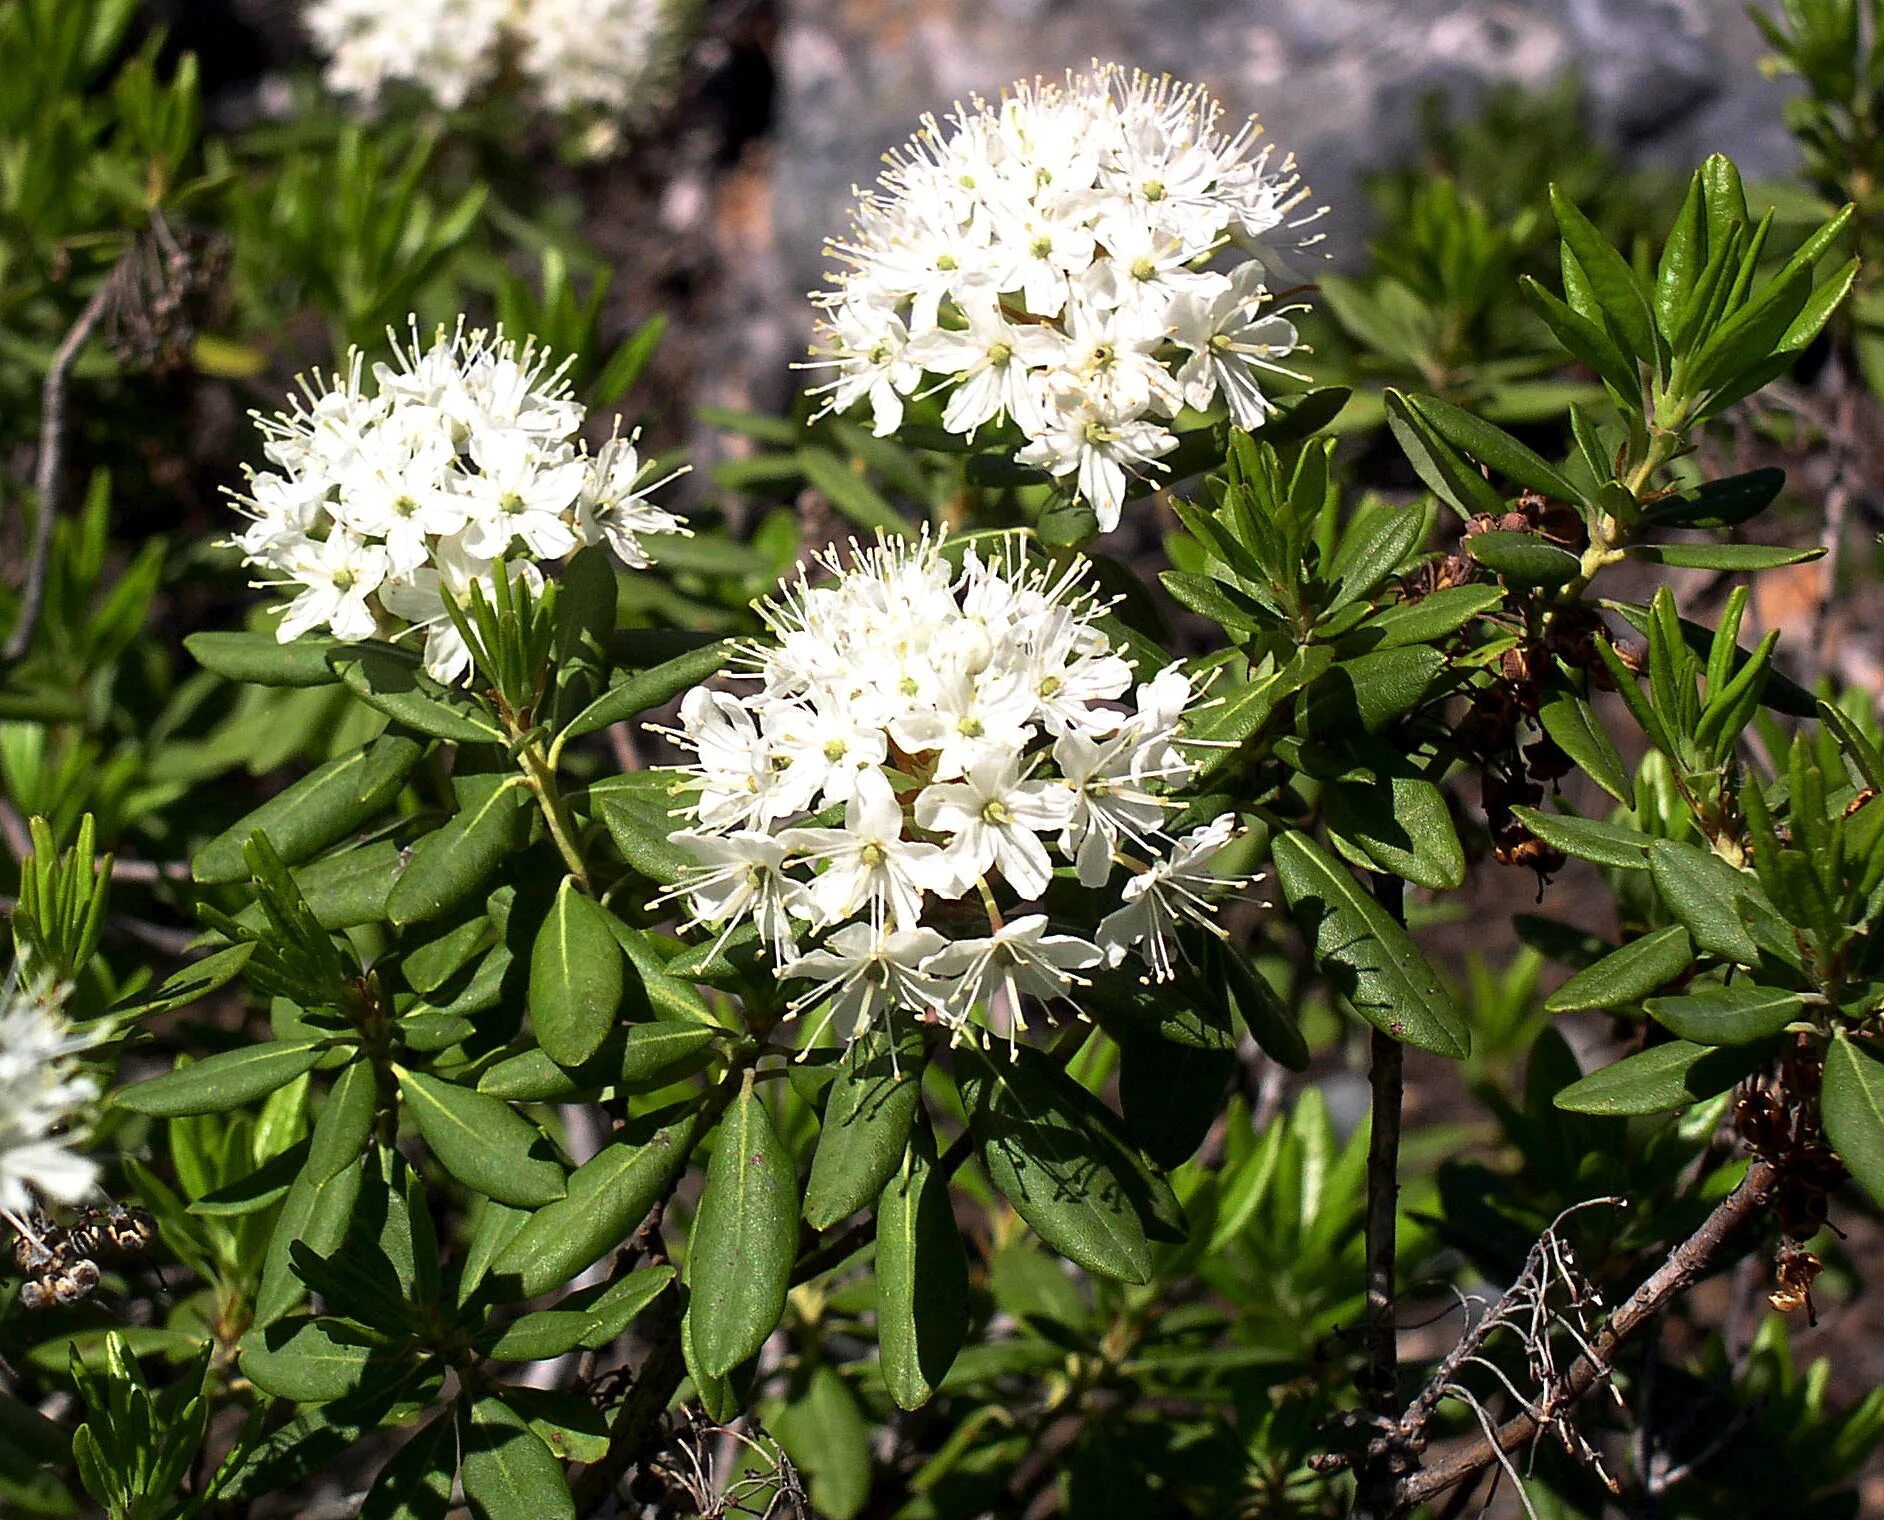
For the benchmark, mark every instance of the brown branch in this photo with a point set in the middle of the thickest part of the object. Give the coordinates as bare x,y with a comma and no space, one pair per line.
1685,1264
50,472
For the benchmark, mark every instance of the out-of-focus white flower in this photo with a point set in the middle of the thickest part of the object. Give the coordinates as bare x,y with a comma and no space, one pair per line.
964,733
448,48
384,499
42,1101
1072,262
609,59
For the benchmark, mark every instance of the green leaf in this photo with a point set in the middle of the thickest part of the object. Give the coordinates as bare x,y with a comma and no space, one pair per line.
1579,733
261,659
1494,447
1403,827
1701,890
319,810
223,1083
1854,1111
1062,1159
1718,503
482,1141
575,977
922,1277
315,1214
609,1195
1368,691
1244,711
192,983
388,681
1745,557
1445,472
507,1471
1583,339
300,1358
592,1318
1627,975
458,858
1661,1078
1611,280
1733,1015
640,819
867,1116
849,492
1263,1013
1366,957
1433,617
416,1484
745,1236
1523,559
635,1057
827,1437
650,688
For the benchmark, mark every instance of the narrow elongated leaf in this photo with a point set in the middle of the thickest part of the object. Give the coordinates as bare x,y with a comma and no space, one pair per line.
922,1277
1719,503
1263,1013
1627,975
261,659
825,1434
1660,1078
1494,447
1579,733
575,977
315,1214
1733,1015
483,1142
453,862
1701,890
1605,844
192,983
1244,711
1611,279
872,1103
745,1235
1402,826
1432,617
609,1195
1524,559
1744,557
507,1471
651,688
300,1358
388,680
641,820
1367,957
1583,339
592,1318
1438,464
1064,1163
1854,1111
849,491
222,1083
319,810
417,1483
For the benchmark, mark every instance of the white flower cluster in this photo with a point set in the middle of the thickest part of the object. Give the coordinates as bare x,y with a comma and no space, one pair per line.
607,57
464,454
976,728
41,1098
1058,259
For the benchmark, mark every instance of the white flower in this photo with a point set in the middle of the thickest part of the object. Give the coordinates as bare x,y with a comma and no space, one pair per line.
865,972
464,454
971,722
609,58
1179,887
867,863
1018,958
995,820
42,1100
1065,263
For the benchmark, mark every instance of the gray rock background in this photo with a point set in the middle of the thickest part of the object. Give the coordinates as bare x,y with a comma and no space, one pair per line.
1337,81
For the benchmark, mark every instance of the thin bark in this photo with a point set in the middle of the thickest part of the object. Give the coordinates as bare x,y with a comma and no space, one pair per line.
50,472
1685,1264
1387,1086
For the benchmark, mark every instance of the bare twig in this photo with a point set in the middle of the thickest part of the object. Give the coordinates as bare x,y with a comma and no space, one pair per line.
50,472
1596,1365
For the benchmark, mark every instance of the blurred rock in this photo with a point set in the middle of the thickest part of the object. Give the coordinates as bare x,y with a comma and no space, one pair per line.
1337,81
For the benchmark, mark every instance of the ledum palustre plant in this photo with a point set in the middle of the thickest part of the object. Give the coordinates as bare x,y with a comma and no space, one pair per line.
626,1034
